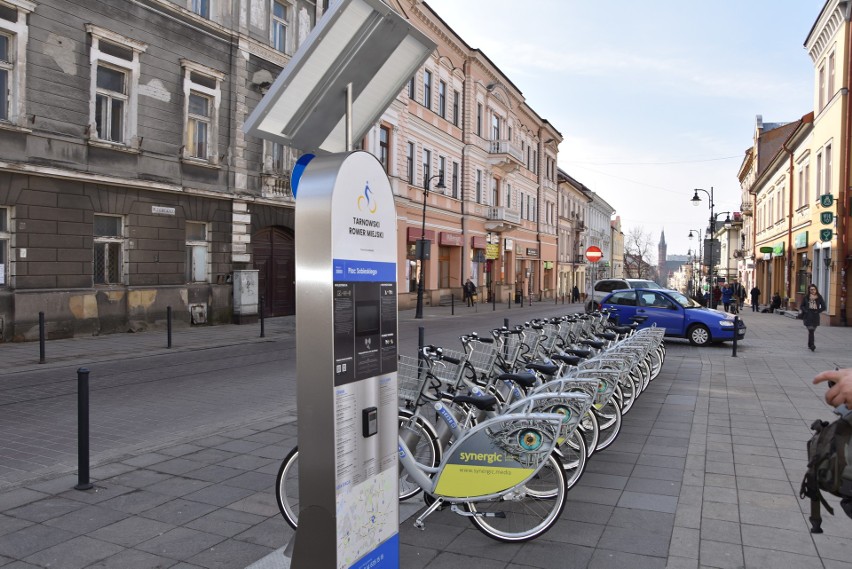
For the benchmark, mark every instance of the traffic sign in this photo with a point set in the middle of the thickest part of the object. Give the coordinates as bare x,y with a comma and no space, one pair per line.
594,254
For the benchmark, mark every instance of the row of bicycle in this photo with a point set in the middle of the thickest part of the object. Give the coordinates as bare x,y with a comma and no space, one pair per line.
501,429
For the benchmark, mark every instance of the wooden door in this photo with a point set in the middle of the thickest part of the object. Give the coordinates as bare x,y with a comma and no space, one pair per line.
274,258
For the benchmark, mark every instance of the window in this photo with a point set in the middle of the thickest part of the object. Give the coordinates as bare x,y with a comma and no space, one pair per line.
13,60
827,189
479,119
495,127
830,92
442,99
108,242
411,88
197,270
201,111
456,180
279,26
5,238
442,167
800,197
495,188
427,89
819,176
821,88
508,202
479,186
409,163
807,183
384,148
201,7
114,82
456,108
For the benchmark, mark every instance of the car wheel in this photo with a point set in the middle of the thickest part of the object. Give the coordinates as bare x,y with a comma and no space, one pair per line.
699,335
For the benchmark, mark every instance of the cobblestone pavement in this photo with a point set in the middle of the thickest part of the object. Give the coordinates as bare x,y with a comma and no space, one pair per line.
186,443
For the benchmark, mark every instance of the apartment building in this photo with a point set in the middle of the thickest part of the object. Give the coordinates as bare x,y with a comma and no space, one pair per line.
127,184
573,212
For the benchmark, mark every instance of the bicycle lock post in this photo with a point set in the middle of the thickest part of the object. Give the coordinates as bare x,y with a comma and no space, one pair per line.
168,326
736,334
41,337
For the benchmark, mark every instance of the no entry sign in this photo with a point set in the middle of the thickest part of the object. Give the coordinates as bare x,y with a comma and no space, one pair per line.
594,254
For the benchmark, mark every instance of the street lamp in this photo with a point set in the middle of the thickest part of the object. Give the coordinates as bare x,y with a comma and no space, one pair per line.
696,199
700,257
422,242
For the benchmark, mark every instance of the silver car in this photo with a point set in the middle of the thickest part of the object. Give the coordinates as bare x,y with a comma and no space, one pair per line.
605,286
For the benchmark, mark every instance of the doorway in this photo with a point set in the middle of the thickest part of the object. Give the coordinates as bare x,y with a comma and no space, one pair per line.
274,259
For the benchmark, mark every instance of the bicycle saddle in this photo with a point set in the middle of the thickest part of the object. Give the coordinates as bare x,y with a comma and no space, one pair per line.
569,359
547,369
522,379
481,402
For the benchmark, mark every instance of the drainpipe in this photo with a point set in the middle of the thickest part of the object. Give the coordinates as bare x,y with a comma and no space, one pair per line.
788,269
842,213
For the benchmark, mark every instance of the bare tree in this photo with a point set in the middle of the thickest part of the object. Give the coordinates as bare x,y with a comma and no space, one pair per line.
639,259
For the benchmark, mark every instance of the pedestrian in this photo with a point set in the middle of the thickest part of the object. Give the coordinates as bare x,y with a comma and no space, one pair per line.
776,302
727,296
841,392
755,298
717,297
470,291
810,309
575,294
739,295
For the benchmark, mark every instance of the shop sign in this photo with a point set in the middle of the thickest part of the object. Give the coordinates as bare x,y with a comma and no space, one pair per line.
826,217
415,233
826,200
778,250
508,244
451,239
548,264
800,240
478,242
492,251
161,210
826,235
766,249
532,252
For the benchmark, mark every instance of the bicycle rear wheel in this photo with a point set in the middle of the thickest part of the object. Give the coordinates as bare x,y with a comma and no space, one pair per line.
525,512
573,454
287,488
590,430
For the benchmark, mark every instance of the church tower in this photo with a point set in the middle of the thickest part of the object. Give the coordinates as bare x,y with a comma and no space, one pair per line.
663,278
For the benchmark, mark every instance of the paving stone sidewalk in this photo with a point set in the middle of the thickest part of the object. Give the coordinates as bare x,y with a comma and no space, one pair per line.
705,473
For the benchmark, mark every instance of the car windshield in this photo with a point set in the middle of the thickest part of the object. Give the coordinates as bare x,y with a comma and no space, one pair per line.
683,300
645,284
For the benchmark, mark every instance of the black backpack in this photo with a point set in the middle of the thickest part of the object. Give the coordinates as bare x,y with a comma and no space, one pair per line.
827,463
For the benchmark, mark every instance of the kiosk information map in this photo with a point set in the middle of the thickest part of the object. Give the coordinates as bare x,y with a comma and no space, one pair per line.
347,324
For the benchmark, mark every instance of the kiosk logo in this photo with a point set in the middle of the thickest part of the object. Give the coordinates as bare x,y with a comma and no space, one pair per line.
366,201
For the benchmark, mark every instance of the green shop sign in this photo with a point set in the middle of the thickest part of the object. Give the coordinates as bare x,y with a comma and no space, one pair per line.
766,249
800,240
826,217
778,250
826,200
826,234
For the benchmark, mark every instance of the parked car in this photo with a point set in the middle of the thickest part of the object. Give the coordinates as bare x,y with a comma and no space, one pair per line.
681,316
606,286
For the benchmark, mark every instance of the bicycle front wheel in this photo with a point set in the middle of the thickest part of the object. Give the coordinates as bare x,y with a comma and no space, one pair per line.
525,512
287,488
573,455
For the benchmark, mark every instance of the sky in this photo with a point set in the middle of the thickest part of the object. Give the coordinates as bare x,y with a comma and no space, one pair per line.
653,98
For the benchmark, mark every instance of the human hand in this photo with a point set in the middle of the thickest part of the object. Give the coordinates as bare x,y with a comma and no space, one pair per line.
840,386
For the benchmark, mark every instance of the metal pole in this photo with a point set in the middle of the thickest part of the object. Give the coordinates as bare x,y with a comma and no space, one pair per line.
418,311
262,330
83,430
168,326
452,305
736,333
493,300
41,337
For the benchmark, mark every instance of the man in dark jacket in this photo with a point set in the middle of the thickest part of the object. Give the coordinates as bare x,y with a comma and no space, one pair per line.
755,298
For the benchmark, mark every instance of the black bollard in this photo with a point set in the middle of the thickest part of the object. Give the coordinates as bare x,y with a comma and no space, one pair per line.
493,301
168,326
736,334
452,305
83,430
41,337
506,323
262,330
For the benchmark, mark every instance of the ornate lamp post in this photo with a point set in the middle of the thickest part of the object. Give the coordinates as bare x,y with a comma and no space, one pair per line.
423,242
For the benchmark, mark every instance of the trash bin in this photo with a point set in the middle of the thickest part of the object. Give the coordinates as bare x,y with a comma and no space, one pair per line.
518,295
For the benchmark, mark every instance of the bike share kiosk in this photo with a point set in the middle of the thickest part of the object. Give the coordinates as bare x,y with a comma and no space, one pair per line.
349,70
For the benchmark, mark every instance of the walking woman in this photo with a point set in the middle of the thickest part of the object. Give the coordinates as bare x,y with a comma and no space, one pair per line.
811,306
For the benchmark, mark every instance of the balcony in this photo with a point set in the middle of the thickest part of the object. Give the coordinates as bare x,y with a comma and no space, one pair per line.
502,220
505,156
277,187
746,207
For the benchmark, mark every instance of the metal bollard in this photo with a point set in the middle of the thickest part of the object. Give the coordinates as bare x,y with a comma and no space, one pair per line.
41,337
168,326
452,304
262,330
493,301
736,334
83,430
